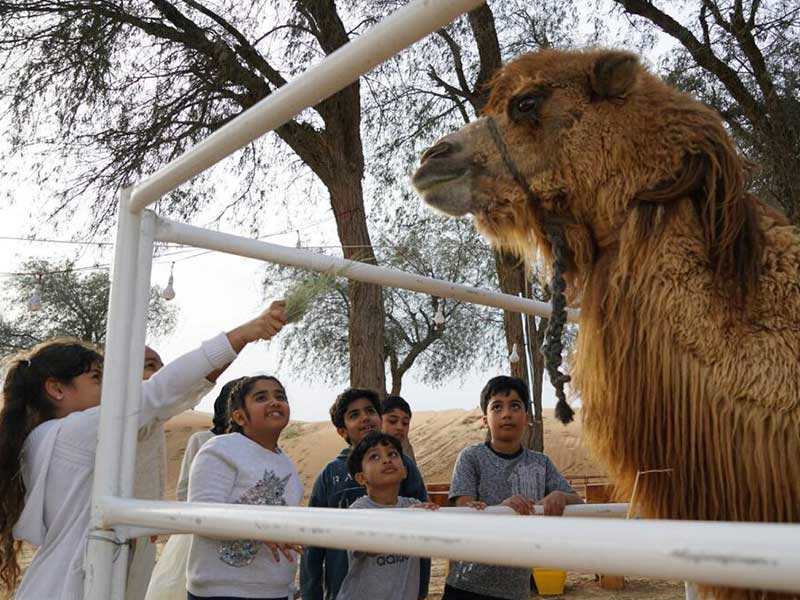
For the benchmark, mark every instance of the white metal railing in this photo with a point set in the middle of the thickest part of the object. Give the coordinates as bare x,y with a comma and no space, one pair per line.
734,554
762,556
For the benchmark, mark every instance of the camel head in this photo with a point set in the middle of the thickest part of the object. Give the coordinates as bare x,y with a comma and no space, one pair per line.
578,141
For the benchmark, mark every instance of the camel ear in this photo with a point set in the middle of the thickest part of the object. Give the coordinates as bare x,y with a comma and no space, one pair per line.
613,74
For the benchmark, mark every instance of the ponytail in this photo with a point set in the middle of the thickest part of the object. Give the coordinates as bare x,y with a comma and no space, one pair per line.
25,406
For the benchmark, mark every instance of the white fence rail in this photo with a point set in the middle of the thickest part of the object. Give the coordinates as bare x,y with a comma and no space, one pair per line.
762,556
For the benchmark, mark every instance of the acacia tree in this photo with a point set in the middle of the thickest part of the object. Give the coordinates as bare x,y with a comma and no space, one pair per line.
117,88
425,244
73,303
743,59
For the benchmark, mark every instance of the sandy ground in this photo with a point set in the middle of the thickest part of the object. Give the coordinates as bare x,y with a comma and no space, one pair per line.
437,437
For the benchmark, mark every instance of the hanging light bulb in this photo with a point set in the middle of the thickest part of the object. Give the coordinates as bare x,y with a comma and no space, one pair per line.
438,318
169,292
514,356
299,243
35,301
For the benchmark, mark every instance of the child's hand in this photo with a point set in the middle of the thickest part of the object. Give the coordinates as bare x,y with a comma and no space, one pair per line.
263,327
554,503
285,549
519,504
426,505
476,504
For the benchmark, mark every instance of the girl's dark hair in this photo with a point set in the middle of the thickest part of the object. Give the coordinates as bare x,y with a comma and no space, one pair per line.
238,394
220,420
25,406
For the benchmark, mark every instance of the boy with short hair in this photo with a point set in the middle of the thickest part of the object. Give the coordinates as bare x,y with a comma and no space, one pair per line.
502,472
396,421
377,464
355,414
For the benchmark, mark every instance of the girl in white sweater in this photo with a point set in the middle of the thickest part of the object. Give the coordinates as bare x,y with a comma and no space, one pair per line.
48,438
245,467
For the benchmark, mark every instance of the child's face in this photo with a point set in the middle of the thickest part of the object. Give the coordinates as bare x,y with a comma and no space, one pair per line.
396,422
382,466
360,419
506,417
152,363
78,394
267,407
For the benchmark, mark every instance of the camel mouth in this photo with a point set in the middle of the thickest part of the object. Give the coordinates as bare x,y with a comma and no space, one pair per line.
450,195
435,172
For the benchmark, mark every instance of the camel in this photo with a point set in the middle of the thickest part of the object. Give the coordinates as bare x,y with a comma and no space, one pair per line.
688,352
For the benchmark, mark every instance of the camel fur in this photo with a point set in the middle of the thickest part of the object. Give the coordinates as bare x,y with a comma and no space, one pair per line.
688,354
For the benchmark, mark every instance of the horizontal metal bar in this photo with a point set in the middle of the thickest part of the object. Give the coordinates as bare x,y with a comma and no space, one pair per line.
748,555
335,72
171,231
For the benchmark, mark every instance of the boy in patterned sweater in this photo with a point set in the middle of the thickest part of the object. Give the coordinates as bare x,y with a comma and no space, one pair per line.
502,472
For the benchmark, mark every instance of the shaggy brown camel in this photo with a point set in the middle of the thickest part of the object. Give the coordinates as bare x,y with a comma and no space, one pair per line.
688,355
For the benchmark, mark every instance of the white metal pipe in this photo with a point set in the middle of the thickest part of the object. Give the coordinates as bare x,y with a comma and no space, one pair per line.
338,70
749,555
101,547
130,443
181,233
597,511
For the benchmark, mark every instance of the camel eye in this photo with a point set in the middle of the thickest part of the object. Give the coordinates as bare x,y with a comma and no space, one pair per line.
525,107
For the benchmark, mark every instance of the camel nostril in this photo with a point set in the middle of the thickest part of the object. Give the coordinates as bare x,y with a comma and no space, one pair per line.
439,150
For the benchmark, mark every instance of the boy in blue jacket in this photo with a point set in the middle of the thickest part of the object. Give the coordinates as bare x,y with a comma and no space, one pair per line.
355,414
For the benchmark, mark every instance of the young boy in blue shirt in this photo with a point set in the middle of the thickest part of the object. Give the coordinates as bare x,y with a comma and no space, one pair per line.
355,414
502,472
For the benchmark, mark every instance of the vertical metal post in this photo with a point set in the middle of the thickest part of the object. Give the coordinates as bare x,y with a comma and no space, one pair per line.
138,318
102,546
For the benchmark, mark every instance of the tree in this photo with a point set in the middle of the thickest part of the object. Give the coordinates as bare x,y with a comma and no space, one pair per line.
425,244
119,88
743,59
73,303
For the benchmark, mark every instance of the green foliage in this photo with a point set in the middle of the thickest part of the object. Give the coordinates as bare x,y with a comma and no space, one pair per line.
74,303
302,294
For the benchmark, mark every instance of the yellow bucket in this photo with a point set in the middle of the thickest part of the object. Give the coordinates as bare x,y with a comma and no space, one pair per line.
549,582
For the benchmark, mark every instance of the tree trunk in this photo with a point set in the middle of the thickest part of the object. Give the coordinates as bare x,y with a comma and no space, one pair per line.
513,280
366,300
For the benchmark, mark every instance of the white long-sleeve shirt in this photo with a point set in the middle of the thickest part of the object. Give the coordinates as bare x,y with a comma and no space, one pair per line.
233,468
58,468
193,446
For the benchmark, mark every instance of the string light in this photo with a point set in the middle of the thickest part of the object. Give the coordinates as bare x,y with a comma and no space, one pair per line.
169,291
35,301
438,318
514,356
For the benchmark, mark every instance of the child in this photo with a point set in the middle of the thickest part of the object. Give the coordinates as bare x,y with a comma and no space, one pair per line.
396,420
150,479
355,414
377,464
48,435
503,472
168,581
245,467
